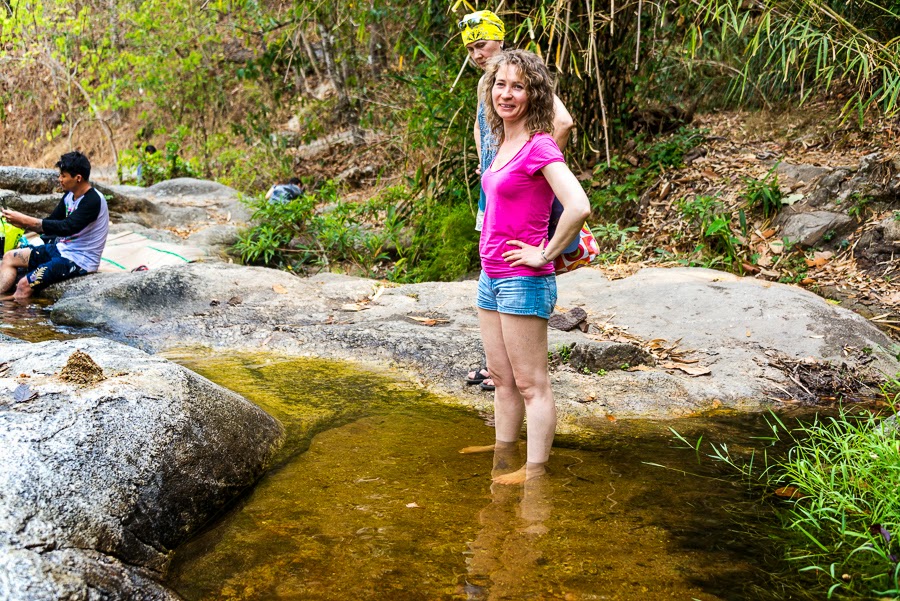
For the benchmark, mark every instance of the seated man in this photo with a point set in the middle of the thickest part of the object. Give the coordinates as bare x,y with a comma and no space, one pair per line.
80,222
282,193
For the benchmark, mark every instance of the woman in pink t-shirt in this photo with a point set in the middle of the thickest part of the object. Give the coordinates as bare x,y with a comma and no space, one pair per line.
517,288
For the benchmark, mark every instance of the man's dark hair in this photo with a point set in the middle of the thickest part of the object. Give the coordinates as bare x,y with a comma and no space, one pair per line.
74,163
295,181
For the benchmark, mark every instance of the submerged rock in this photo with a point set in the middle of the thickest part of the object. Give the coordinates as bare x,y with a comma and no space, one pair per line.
101,477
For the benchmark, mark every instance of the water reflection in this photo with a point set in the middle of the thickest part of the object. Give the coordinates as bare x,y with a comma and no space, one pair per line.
505,555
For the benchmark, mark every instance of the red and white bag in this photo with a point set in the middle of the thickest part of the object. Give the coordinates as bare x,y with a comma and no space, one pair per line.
583,255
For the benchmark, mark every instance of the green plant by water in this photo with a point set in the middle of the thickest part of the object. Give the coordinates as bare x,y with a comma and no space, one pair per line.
837,483
317,228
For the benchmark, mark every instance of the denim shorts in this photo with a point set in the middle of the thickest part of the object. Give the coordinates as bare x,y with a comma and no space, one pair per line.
46,266
519,295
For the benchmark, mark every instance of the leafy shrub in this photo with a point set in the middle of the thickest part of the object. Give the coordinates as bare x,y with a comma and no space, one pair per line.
615,244
622,184
147,168
714,222
445,247
763,194
318,229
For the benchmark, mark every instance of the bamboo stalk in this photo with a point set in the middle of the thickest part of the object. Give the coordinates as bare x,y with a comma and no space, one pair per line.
637,45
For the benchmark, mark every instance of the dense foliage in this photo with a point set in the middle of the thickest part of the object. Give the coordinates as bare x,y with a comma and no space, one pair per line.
213,91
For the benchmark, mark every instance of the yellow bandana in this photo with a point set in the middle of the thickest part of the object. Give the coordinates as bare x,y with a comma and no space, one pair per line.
481,25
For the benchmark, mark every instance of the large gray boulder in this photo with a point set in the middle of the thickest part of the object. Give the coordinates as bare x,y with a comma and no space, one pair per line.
36,192
27,180
810,228
187,203
109,458
731,331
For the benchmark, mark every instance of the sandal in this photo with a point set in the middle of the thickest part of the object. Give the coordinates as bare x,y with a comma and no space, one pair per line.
487,384
477,377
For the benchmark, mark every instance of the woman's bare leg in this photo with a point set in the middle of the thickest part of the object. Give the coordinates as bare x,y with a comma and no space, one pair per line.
525,339
509,405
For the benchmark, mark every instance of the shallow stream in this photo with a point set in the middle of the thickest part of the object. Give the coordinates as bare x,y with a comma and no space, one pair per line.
381,505
371,499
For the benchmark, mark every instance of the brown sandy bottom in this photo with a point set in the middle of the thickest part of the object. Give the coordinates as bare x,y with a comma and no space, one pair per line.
383,506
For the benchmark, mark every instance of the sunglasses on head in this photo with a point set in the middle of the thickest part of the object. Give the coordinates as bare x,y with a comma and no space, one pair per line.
472,21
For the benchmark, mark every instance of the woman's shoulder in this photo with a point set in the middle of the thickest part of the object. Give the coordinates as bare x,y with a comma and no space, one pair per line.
542,137
543,142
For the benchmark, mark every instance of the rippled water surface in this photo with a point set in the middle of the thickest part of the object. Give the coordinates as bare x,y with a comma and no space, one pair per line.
30,321
381,505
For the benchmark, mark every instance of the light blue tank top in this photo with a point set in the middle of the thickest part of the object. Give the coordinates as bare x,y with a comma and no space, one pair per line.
488,152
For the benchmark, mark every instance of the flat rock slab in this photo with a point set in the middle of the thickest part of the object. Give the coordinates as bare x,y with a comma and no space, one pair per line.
726,326
110,458
188,201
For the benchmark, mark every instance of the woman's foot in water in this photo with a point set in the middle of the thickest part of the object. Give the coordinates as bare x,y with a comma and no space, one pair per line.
489,448
523,474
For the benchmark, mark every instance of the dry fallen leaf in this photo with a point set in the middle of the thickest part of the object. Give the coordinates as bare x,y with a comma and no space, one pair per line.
279,289
427,321
640,368
611,418
353,307
683,360
788,492
412,505
691,371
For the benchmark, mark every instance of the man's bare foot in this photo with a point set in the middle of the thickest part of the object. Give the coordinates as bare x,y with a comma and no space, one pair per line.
477,449
524,473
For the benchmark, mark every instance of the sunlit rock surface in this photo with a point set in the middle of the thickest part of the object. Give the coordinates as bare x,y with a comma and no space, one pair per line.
730,329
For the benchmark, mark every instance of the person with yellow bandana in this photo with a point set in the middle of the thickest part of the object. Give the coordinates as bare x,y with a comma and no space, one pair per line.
483,34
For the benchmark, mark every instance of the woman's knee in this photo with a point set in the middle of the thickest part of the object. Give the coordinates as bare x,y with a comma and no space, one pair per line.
533,389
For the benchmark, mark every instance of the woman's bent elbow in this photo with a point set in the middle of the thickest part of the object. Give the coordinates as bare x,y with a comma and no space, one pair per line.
583,209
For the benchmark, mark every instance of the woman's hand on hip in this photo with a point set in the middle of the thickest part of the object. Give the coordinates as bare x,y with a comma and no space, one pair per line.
525,254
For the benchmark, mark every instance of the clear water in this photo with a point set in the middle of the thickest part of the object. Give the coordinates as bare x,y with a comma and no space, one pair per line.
381,505
30,321
370,499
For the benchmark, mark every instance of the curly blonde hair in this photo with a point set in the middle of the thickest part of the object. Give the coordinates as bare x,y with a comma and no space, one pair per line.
538,87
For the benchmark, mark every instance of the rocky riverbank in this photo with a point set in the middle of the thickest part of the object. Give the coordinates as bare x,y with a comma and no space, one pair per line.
662,343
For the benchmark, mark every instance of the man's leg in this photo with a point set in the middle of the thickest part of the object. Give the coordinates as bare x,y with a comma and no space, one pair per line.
526,336
12,261
46,267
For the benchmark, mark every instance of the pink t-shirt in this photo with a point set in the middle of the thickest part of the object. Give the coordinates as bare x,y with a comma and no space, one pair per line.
518,207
